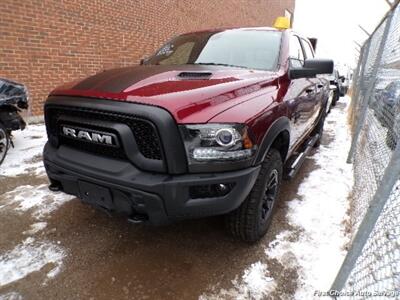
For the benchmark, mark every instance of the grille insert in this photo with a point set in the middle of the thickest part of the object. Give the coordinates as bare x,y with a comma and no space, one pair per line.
144,131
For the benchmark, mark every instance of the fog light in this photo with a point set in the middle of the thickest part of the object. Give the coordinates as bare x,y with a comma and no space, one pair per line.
222,188
210,190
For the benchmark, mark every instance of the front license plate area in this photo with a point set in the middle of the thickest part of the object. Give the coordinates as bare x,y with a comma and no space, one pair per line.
95,194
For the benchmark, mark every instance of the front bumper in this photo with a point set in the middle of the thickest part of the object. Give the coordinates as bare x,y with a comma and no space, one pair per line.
161,198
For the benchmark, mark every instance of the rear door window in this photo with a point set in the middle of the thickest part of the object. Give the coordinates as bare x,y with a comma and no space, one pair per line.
308,49
296,54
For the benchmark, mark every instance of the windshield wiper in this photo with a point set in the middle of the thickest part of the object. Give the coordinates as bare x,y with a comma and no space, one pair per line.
218,64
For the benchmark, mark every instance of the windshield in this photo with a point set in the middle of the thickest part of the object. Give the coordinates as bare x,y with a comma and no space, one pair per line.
252,49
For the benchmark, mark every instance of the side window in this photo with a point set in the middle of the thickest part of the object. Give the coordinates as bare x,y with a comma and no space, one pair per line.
296,54
308,49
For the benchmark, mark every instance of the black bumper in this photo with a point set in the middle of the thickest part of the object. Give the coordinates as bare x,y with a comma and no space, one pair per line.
118,186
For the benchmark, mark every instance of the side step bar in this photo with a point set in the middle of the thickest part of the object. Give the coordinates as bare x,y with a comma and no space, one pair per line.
294,167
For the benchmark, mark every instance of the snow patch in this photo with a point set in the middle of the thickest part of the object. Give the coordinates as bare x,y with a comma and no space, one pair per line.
11,296
256,281
25,157
35,198
32,255
35,228
254,284
28,257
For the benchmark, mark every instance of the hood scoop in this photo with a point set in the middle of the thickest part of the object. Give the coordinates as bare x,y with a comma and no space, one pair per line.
194,75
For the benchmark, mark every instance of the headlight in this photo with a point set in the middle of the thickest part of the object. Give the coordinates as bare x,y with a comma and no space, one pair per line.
217,142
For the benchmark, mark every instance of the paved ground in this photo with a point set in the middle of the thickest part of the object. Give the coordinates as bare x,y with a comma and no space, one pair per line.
53,246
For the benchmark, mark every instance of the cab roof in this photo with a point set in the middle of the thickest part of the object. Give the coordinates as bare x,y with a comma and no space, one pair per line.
211,30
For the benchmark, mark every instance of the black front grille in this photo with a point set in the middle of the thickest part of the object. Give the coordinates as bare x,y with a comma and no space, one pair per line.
143,130
104,150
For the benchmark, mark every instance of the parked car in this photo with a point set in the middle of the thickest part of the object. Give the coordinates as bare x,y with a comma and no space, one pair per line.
331,93
206,126
345,85
341,86
13,98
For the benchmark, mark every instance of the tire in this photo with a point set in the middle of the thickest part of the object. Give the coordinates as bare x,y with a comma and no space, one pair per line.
252,219
4,142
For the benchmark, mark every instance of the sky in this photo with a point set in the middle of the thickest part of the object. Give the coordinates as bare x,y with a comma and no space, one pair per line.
335,24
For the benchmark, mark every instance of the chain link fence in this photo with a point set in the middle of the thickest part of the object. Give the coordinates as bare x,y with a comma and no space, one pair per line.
372,266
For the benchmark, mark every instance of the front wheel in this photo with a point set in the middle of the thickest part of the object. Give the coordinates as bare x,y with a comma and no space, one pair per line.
251,220
4,142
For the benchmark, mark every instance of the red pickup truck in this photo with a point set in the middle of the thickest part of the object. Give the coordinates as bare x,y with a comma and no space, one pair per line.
208,125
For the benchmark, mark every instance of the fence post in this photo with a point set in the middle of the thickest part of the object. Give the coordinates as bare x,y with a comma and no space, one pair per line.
360,120
361,66
390,176
356,79
357,74
368,94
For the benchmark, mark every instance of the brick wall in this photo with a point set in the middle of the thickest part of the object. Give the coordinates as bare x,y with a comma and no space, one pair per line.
44,43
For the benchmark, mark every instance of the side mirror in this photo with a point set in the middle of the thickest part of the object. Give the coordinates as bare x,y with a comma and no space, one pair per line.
311,68
342,78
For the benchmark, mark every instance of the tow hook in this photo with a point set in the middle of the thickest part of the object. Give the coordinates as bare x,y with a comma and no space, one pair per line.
55,187
137,218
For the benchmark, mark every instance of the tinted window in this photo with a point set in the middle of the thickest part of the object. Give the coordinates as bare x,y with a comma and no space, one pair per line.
253,49
296,52
308,49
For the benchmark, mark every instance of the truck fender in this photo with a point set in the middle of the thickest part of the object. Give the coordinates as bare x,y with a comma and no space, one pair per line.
279,125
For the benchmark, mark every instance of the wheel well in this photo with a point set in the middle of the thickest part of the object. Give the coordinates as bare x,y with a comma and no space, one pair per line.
281,143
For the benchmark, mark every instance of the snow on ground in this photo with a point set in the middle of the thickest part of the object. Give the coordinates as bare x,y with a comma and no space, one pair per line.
319,213
255,283
11,296
33,253
29,145
28,257
37,199
35,228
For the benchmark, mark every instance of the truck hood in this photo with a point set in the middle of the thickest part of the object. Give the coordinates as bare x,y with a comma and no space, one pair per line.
191,93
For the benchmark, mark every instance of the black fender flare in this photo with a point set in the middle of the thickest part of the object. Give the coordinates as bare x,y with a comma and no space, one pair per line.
279,125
